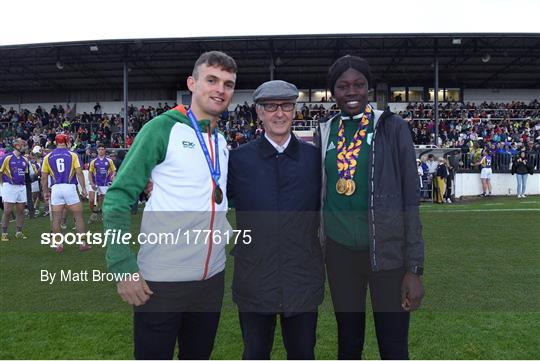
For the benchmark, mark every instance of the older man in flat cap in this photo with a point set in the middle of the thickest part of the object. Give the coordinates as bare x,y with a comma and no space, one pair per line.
275,184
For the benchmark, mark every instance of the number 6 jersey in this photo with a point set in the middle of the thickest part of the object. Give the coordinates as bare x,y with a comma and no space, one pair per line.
61,164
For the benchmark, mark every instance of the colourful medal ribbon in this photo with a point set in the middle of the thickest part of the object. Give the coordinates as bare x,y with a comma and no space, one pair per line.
215,171
347,156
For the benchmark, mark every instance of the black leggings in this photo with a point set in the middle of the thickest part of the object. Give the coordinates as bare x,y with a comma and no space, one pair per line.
349,274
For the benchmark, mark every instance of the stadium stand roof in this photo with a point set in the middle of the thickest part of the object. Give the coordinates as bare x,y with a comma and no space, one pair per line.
465,60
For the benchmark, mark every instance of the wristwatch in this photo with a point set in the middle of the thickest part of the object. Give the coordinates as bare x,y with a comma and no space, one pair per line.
417,270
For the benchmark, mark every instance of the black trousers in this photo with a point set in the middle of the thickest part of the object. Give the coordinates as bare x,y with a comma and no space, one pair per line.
349,275
298,332
183,312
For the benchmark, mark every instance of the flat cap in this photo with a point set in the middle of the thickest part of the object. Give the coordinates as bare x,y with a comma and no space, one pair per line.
275,89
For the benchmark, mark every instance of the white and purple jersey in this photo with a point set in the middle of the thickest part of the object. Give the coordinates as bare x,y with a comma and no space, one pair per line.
13,169
102,171
61,165
486,162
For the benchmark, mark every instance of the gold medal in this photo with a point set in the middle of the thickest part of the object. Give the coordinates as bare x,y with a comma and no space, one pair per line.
218,195
351,187
347,155
341,186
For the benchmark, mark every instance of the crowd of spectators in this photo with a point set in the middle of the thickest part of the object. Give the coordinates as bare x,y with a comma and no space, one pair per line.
514,110
504,129
241,125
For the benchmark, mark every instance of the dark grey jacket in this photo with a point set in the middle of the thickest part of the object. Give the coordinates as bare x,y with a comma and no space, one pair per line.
277,199
394,197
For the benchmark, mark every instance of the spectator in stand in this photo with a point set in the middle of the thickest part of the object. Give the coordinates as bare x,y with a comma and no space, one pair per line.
521,167
159,109
54,111
97,108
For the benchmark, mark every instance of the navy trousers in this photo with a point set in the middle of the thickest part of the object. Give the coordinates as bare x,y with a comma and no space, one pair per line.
298,332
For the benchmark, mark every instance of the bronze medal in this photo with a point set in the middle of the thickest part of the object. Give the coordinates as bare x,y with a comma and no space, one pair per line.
218,195
351,187
341,186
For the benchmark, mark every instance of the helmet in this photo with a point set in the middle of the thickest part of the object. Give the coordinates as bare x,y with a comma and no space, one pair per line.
18,141
61,139
36,150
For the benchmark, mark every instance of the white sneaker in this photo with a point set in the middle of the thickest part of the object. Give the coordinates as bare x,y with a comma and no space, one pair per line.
63,226
523,196
449,200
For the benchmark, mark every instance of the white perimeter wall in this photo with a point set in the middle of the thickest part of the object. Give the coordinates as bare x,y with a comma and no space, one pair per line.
469,184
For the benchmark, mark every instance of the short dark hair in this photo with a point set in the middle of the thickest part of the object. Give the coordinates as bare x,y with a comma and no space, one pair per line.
215,58
344,63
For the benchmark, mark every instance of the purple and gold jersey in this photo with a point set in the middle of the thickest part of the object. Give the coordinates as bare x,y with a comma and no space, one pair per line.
486,161
13,169
61,164
74,179
102,171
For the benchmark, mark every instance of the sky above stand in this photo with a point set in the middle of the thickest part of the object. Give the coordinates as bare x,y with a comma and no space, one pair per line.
47,21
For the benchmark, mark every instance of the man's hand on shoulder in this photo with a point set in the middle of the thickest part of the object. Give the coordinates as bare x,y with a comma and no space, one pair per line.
135,293
149,188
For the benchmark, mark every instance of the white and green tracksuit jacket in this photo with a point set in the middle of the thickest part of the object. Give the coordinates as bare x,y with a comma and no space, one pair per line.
181,206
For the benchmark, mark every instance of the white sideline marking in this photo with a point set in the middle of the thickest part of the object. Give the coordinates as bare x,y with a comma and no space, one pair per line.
484,210
529,202
493,204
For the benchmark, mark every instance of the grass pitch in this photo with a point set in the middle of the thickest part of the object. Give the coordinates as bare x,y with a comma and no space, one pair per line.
481,279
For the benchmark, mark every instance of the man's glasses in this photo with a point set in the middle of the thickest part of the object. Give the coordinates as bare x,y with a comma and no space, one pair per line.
272,107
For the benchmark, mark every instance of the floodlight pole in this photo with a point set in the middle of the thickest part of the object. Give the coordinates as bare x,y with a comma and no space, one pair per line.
125,101
436,93
272,67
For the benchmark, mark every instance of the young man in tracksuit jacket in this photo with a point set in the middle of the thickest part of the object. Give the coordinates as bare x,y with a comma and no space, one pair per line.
177,282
